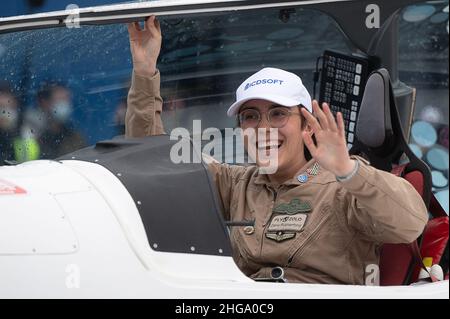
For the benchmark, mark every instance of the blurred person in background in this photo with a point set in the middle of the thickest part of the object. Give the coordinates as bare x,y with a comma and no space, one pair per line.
14,147
119,116
175,115
9,123
51,122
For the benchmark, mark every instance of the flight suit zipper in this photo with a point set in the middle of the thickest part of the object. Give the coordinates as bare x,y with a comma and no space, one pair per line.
314,234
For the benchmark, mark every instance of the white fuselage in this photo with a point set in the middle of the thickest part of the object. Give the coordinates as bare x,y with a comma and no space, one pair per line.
70,229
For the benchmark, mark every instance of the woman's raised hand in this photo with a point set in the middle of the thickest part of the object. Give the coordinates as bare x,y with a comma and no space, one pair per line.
331,150
145,45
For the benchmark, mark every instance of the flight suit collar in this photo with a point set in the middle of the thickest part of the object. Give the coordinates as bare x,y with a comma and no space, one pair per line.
263,179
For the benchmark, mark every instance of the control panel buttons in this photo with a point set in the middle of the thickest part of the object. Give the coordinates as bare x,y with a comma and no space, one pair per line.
351,127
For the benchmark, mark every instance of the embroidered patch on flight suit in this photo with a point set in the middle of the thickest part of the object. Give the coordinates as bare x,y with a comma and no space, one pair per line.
290,218
293,207
280,236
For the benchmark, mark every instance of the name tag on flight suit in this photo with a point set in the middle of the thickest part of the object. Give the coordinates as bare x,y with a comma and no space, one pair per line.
288,223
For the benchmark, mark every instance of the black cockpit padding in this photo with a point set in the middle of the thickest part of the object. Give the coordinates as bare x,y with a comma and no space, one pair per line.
379,135
177,202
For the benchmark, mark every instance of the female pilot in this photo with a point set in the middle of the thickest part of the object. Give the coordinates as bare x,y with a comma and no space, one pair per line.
320,221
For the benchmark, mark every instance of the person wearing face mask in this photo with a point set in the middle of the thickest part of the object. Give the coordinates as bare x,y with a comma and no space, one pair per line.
318,220
14,146
51,122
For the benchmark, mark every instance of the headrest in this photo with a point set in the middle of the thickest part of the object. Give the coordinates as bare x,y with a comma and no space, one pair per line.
374,121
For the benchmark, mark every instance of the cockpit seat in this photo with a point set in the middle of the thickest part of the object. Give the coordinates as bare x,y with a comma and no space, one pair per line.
381,139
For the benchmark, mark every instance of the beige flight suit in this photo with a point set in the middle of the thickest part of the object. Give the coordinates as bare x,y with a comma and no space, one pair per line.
333,243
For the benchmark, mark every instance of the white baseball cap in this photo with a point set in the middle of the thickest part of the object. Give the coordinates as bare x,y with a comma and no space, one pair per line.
274,85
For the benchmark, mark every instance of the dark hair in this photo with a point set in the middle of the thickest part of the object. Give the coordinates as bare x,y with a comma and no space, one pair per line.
5,87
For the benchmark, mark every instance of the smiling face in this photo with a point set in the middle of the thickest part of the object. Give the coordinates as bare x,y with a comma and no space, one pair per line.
289,142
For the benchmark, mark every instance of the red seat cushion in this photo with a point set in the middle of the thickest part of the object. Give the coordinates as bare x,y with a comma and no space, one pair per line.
395,261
